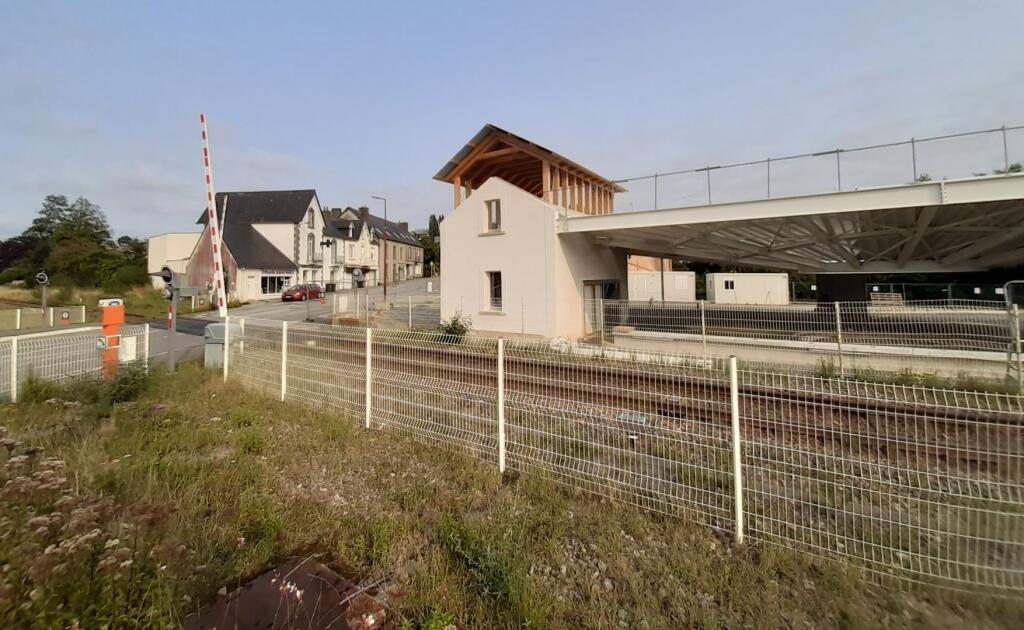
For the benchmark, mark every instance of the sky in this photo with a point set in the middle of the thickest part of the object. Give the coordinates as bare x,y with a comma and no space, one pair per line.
102,99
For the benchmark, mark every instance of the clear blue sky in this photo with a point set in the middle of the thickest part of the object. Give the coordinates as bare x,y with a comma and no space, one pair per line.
101,99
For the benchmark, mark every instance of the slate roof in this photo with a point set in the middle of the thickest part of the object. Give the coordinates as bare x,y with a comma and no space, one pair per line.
248,247
251,250
389,230
264,206
338,228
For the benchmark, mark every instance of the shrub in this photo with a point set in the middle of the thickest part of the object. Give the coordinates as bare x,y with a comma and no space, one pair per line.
454,329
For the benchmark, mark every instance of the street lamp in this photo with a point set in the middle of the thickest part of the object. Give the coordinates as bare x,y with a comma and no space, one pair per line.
385,261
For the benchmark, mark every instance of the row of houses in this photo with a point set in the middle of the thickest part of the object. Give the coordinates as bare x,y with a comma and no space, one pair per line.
280,238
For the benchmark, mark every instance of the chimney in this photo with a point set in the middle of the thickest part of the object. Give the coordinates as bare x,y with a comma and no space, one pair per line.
364,212
335,213
404,225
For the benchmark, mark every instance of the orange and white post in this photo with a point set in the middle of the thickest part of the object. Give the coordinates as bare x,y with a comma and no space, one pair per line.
112,319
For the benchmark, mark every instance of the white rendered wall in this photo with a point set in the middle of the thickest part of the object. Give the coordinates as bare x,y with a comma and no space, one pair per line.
542,273
280,235
171,250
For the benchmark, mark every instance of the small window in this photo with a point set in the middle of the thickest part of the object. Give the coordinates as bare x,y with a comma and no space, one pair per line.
730,285
309,221
493,214
494,289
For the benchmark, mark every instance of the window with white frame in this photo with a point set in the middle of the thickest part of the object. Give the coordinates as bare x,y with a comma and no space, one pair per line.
494,290
493,214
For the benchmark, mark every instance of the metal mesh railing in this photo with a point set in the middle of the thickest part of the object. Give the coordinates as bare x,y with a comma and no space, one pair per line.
917,482
60,357
947,338
899,479
959,155
417,312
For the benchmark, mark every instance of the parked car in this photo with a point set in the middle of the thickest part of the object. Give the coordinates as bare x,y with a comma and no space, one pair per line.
301,292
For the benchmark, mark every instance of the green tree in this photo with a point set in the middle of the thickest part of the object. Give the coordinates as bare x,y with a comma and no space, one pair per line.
1016,167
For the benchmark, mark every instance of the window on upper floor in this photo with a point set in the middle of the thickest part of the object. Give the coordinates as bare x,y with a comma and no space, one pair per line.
310,247
310,222
493,214
334,252
494,290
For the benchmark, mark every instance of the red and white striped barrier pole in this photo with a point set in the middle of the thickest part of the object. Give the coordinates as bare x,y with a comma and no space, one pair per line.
215,233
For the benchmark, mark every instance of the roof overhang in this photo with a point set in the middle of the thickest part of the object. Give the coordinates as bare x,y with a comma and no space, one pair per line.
958,225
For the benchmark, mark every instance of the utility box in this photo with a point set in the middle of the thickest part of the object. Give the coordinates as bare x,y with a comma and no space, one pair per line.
213,348
747,288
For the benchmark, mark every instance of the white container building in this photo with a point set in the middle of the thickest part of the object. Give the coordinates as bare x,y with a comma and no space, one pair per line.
747,288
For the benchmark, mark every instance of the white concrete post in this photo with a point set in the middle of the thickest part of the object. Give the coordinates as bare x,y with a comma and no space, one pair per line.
17,319
839,338
737,464
703,327
193,304
501,404
83,313
49,315
410,312
369,376
241,330
227,344
14,369
284,359
145,347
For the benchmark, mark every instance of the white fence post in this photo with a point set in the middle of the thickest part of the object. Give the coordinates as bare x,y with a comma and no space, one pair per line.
600,317
737,464
703,328
1017,348
14,369
49,315
501,404
241,331
145,347
410,312
17,319
284,359
227,344
83,313
839,338
369,376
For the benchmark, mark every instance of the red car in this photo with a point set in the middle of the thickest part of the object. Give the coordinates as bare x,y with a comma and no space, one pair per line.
302,292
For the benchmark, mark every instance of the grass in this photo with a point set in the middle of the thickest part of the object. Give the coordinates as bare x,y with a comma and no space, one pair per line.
203,485
144,301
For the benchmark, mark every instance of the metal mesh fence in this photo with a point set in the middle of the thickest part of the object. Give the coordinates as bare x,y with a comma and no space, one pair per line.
913,481
417,312
59,357
947,338
900,479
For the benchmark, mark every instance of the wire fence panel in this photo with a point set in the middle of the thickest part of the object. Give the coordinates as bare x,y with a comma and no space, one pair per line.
918,482
255,355
900,479
944,338
437,389
651,432
326,366
417,312
5,369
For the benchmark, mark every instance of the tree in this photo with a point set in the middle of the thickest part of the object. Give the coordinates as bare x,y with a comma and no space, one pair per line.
1016,167
433,227
53,213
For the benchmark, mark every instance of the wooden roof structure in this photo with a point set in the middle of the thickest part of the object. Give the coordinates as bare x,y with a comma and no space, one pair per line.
494,152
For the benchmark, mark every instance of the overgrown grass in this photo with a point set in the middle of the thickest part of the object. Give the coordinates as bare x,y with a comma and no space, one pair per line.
204,485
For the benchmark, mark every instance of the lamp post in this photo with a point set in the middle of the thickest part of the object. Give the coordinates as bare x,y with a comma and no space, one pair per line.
385,261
